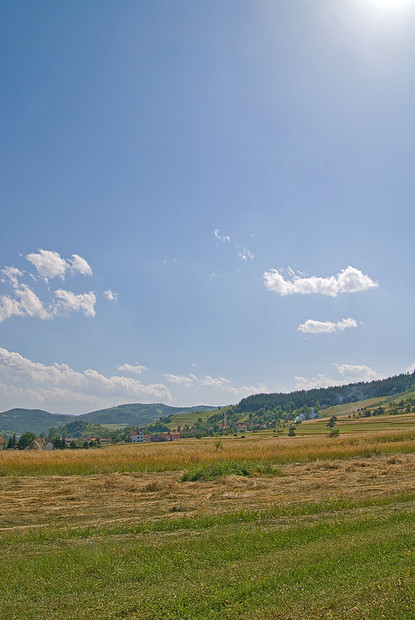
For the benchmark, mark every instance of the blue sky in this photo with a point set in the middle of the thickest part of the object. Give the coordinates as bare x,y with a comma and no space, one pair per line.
203,200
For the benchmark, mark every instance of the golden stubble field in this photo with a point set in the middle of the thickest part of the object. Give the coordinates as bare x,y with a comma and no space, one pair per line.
170,456
38,501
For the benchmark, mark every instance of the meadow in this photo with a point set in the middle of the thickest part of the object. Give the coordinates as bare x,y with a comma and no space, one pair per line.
318,528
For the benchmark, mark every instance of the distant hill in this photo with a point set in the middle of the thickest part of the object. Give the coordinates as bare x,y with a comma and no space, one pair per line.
138,414
38,421
21,420
330,396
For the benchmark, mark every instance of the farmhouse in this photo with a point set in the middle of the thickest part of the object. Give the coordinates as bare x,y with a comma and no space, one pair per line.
136,436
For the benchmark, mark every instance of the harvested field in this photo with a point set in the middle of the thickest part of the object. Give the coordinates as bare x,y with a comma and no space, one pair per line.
328,532
157,457
136,497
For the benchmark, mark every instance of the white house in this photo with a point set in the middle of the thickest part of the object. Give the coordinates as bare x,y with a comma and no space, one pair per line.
136,436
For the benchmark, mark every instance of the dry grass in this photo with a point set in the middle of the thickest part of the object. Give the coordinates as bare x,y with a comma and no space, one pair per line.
180,455
96,500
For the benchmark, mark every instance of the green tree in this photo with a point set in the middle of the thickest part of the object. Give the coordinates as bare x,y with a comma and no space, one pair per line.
331,423
25,440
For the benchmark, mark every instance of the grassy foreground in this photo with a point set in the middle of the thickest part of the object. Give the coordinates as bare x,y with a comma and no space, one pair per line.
327,534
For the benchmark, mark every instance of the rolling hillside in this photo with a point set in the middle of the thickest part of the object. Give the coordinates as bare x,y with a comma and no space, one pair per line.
21,420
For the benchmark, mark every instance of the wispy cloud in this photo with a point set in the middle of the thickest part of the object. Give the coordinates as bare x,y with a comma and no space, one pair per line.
349,280
349,373
222,238
218,383
111,295
246,255
135,368
185,380
325,327
321,381
358,372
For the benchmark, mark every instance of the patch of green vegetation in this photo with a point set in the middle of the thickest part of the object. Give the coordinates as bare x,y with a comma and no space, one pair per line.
221,469
337,563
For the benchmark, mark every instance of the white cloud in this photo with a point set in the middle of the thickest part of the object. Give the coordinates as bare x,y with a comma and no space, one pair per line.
79,265
111,295
349,374
325,327
185,380
24,303
136,368
218,383
66,383
50,264
349,280
84,302
410,368
9,307
12,274
30,303
357,372
246,255
223,239
321,381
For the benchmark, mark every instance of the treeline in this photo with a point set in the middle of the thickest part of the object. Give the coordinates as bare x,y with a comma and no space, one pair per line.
328,397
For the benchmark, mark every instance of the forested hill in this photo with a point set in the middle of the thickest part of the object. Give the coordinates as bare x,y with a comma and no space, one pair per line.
21,420
327,397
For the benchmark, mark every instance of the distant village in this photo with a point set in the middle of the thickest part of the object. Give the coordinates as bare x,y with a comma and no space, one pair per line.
30,441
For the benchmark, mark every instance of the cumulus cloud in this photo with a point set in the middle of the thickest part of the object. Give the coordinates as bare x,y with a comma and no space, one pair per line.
68,301
24,303
349,280
410,368
325,327
223,239
79,265
50,264
136,368
30,303
23,300
111,295
26,375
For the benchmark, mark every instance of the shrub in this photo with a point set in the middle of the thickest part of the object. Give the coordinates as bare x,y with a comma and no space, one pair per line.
226,468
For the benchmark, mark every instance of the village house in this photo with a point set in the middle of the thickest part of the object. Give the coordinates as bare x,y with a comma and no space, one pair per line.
136,436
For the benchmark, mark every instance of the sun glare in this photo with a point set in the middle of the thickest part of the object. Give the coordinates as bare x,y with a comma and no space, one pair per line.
390,4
